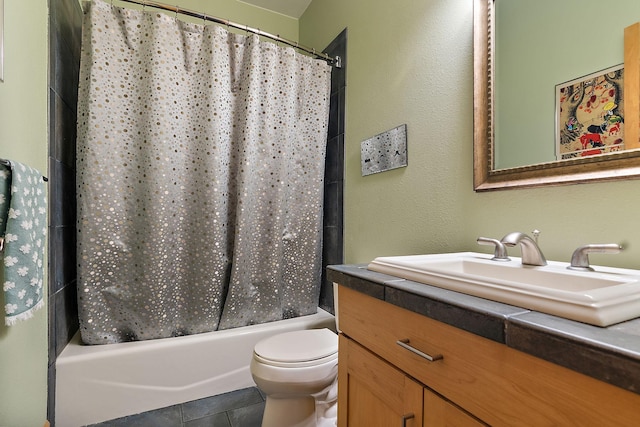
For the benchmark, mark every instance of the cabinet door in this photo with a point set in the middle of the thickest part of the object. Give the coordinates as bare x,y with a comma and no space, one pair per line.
480,375
372,393
439,412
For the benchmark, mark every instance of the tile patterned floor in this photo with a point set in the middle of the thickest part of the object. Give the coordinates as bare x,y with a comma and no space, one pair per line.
240,408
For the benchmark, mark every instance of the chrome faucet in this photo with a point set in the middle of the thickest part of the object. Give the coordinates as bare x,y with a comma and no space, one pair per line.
580,257
531,253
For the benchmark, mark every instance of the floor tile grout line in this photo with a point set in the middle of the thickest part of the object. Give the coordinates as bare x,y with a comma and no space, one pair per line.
182,414
183,411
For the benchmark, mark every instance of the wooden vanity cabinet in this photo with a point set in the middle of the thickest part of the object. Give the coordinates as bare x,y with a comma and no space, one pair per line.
476,382
377,394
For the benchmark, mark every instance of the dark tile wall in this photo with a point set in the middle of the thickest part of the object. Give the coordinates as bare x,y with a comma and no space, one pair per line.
333,229
65,24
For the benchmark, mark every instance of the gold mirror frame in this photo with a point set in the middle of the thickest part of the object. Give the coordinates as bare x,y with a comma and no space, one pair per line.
604,167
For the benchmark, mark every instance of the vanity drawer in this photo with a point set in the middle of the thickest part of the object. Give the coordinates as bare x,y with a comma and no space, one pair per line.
499,385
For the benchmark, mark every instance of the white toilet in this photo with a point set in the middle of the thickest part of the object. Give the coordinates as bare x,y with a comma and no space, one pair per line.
297,371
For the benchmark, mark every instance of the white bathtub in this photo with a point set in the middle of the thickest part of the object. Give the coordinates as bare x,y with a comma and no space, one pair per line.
98,383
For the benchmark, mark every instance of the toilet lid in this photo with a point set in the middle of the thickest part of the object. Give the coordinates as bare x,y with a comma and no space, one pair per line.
298,346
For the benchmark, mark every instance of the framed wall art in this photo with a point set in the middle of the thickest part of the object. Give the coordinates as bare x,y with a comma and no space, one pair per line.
590,114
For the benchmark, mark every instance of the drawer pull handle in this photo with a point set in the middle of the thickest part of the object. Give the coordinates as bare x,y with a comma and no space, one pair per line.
405,344
407,417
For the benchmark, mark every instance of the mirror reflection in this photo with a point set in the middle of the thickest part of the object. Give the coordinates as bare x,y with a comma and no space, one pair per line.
540,48
514,108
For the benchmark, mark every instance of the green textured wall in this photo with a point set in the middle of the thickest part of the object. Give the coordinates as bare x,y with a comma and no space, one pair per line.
411,62
235,11
23,138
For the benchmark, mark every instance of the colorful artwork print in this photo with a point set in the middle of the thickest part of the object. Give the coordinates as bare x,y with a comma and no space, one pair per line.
590,116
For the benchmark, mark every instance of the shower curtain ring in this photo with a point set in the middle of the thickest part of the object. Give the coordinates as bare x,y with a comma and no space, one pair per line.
177,10
204,18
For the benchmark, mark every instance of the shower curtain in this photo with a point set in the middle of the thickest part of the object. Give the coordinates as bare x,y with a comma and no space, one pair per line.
200,165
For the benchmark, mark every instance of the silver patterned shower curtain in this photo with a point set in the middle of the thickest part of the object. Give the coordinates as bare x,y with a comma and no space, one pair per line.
200,167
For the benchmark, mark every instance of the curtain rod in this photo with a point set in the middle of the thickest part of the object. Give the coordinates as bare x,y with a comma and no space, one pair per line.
336,62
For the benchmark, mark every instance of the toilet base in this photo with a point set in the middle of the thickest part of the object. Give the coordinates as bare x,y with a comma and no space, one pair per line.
290,412
320,410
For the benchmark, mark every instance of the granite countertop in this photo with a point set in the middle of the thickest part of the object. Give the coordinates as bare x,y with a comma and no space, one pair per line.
610,354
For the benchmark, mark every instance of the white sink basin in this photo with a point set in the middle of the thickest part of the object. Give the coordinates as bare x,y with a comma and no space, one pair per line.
602,297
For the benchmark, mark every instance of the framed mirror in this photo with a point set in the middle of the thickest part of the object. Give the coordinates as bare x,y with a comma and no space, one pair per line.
618,165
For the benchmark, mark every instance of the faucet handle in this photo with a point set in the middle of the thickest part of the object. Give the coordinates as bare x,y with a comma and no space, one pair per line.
580,257
500,250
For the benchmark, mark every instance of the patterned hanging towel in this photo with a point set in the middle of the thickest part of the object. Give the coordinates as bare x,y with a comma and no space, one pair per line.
23,228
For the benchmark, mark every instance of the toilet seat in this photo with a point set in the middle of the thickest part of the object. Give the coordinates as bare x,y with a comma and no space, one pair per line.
295,349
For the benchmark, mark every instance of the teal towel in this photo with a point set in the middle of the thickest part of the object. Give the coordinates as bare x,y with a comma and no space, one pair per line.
23,223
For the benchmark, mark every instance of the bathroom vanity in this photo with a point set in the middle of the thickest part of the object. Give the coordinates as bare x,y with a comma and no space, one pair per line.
491,363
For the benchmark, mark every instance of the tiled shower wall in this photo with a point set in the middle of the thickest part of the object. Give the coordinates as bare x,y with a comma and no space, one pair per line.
65,30
65,24
333,227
